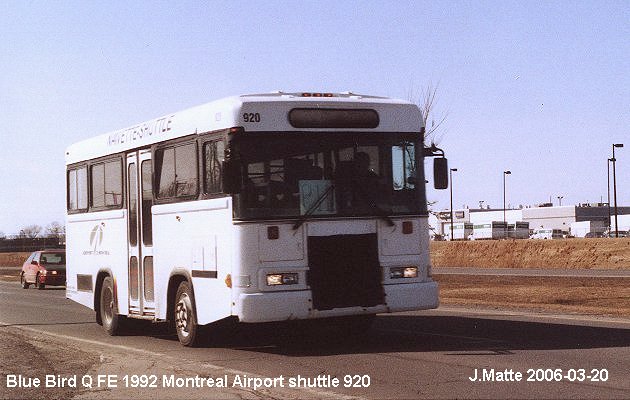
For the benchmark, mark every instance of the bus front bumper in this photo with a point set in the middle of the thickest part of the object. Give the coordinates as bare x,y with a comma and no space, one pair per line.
291,305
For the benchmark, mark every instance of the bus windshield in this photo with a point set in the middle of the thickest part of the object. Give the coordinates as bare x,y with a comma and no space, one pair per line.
290,175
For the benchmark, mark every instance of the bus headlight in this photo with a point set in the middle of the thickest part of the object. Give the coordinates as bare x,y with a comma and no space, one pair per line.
282,279
403,272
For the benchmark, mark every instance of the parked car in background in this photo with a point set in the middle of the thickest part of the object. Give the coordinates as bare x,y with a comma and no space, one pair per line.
595,235
548,234
621,234
44,267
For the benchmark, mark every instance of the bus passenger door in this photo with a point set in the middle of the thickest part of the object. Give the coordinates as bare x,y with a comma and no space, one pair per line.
132,226
140,253
146,231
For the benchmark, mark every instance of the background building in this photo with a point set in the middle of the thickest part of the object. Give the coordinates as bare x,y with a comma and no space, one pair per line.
541,217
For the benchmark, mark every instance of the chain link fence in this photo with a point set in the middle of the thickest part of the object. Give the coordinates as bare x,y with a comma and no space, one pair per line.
25,244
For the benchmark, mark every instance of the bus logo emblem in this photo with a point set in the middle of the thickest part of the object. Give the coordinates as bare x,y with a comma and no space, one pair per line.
96,236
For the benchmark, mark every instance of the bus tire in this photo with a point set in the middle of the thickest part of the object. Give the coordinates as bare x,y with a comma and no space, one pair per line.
185,317
109,308
23,282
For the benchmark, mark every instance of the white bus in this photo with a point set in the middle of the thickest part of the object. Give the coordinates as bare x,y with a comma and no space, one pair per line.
265,207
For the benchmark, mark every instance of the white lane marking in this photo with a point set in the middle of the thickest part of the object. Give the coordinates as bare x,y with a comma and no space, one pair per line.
313,392
88,341
509,313
533,272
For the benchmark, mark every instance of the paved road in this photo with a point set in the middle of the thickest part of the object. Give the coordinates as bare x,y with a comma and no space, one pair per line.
574,273
577,273
411,355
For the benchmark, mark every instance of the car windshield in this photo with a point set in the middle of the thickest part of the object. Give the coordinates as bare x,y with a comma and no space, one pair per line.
53,258
295,175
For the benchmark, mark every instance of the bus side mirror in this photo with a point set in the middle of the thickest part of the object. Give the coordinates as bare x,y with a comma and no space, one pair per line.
231,172
440,173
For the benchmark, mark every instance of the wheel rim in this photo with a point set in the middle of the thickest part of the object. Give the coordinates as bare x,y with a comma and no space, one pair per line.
182,315
108,305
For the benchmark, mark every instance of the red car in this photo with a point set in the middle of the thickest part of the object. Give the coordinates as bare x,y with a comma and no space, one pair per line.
44,267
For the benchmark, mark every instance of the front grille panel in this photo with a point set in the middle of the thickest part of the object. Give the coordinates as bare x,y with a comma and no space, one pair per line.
344,271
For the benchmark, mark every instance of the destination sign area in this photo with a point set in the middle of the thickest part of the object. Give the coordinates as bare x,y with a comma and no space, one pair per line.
139,132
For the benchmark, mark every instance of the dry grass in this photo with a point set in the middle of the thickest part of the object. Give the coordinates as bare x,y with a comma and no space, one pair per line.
595,296
13,259
565,253
589,296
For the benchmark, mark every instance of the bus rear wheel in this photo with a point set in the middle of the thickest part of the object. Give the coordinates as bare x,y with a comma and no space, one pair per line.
109,309
185,317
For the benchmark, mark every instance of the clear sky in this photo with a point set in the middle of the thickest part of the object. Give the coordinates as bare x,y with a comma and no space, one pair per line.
539,88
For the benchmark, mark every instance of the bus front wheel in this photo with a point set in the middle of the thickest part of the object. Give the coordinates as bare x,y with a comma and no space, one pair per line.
185,317
109,309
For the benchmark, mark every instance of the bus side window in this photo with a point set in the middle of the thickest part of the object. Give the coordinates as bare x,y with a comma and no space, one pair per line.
176,171
213,157
106,184
165,165
97,182
77,189
113,184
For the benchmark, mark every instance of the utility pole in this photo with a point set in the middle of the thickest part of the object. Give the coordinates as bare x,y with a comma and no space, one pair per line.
450,173
608,173
505,173
614,161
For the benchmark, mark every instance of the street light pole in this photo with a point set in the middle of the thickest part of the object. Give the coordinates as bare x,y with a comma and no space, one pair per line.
614,161
450,174
560,200
504,218
608,173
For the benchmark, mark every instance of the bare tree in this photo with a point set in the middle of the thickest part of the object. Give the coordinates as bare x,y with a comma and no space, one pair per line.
427,102
2,235
31,231
55,229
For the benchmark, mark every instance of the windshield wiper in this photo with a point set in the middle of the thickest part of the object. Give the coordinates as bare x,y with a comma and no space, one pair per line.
383,214
312,209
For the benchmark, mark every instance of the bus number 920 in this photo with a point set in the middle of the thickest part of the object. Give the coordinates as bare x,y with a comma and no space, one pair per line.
251,117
